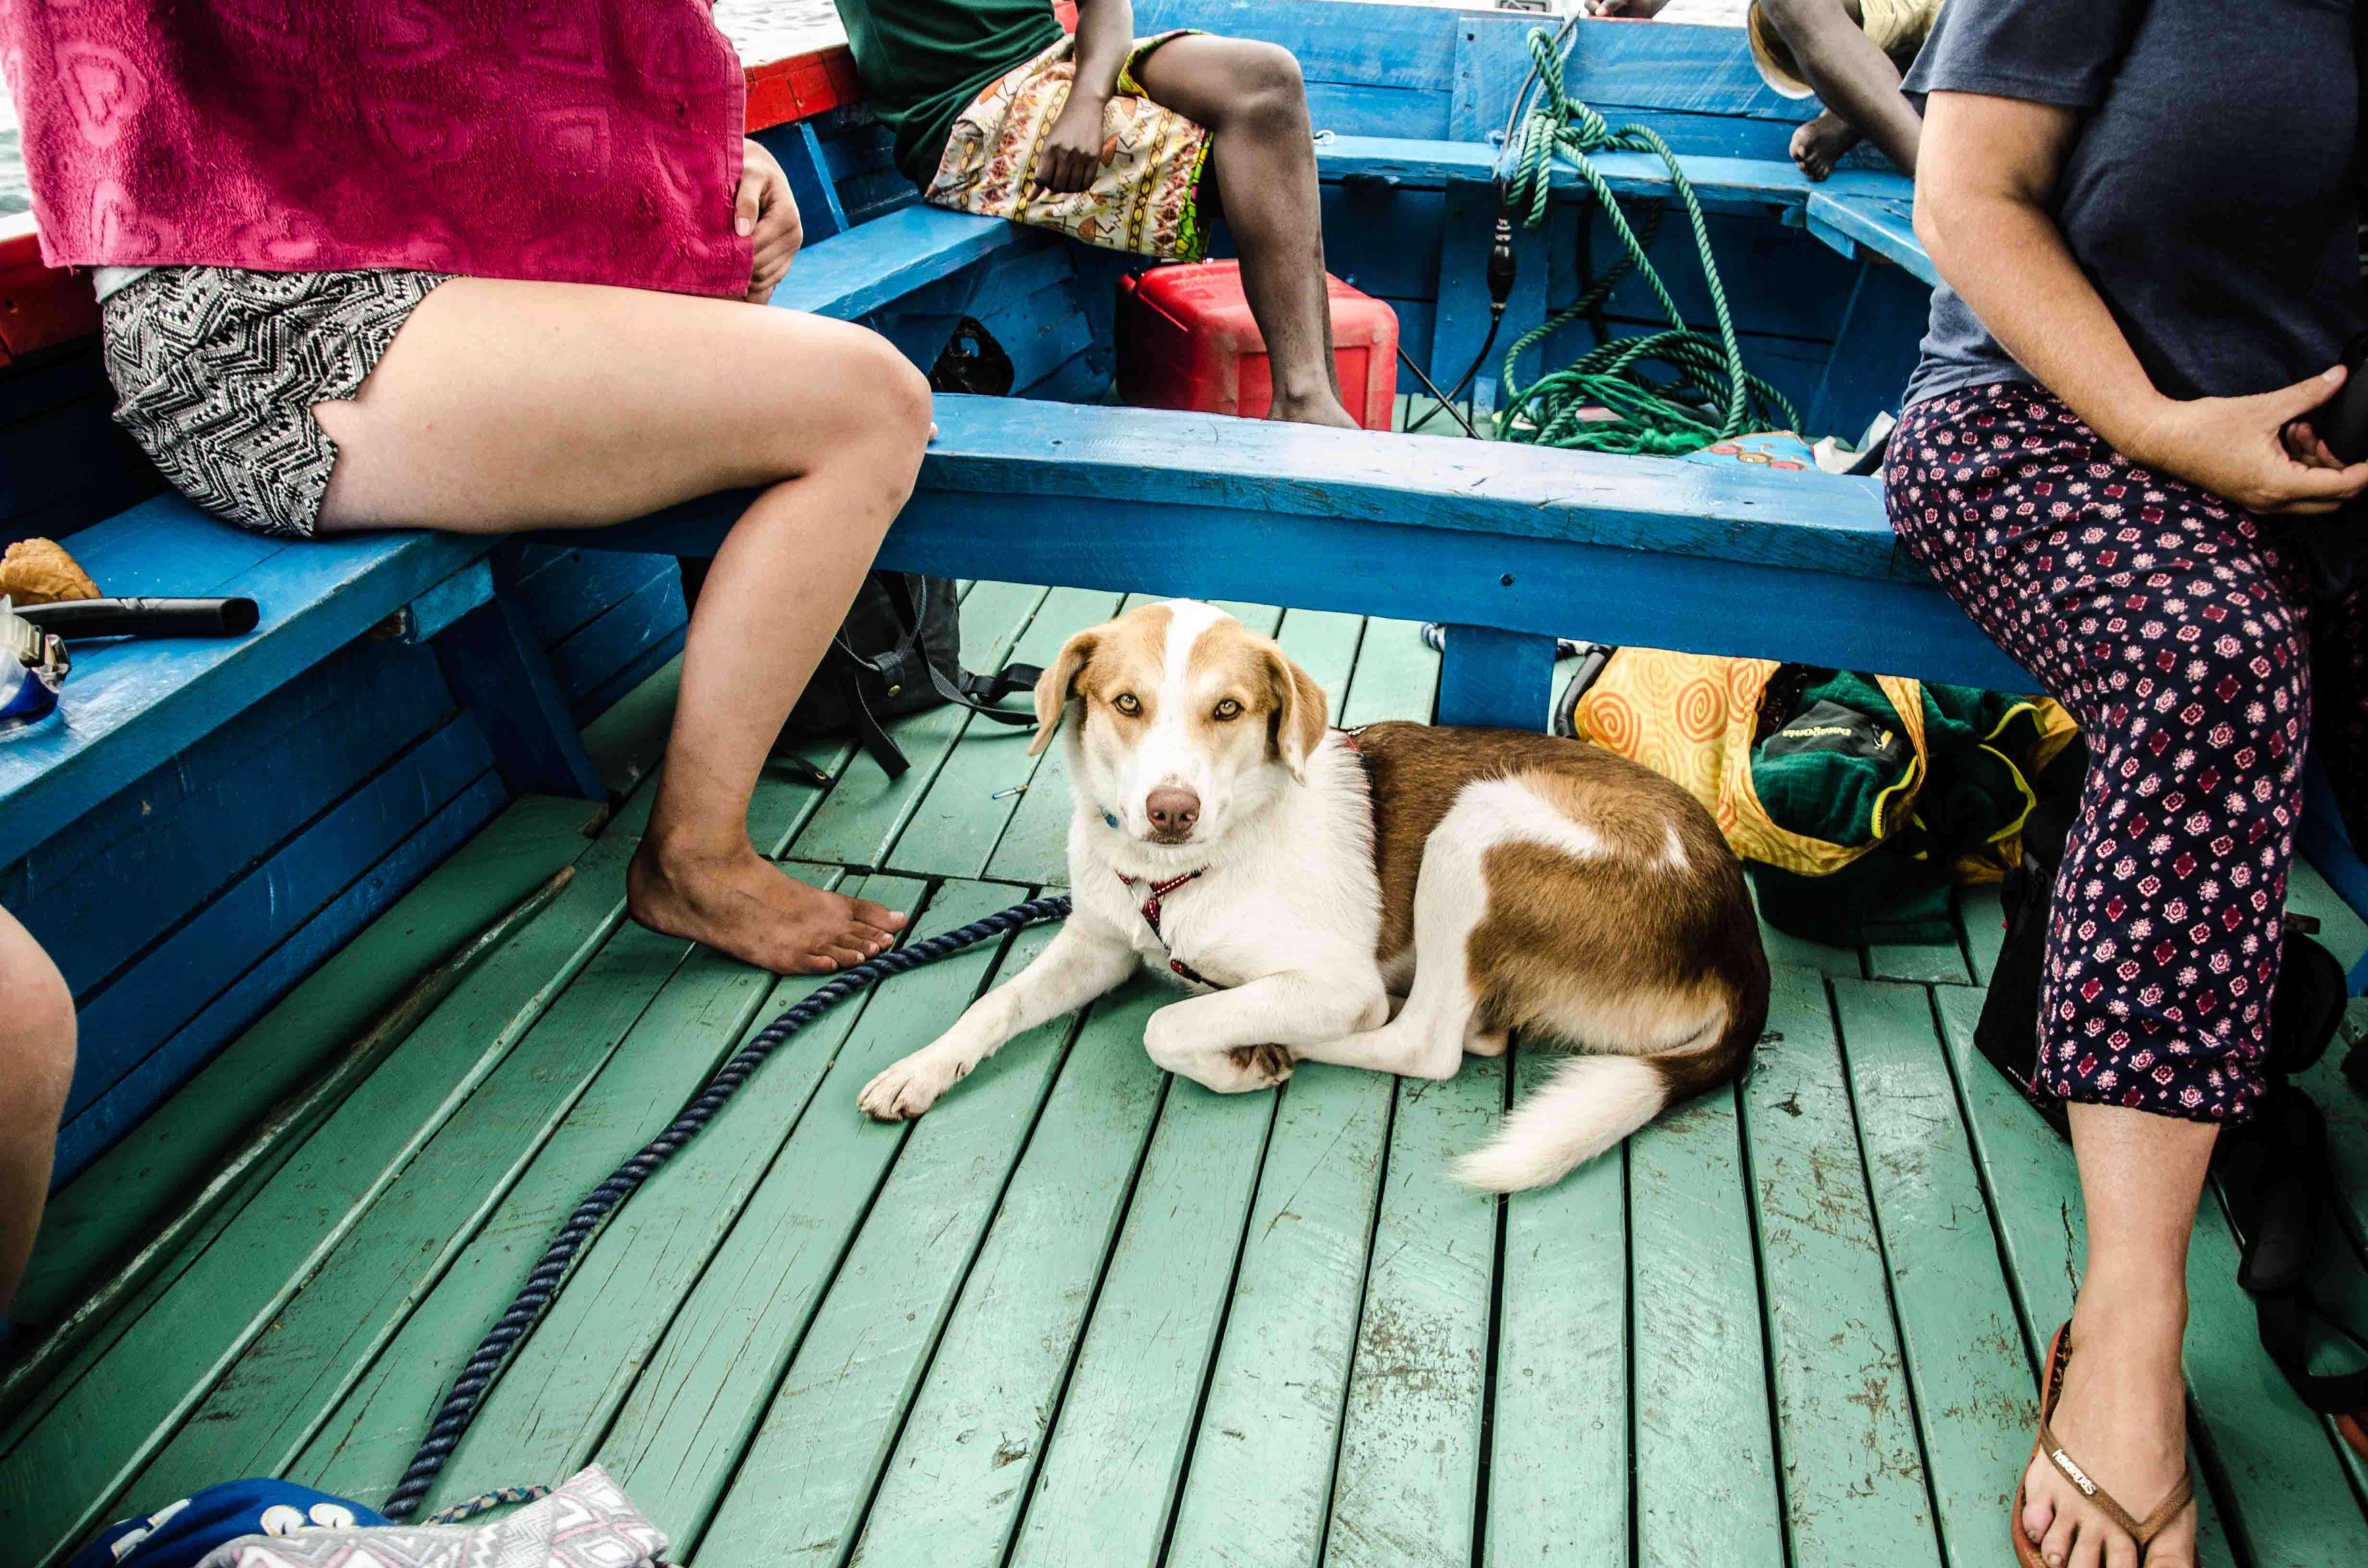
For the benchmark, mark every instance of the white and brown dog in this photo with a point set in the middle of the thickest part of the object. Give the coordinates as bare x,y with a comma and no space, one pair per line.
1300,880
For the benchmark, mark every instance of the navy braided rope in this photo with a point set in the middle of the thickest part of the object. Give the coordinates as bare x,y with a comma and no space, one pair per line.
461,1406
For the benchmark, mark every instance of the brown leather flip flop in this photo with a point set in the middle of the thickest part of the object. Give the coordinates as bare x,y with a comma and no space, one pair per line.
2142,1531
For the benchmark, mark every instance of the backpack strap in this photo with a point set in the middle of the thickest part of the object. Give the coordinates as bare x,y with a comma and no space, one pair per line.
981,693
874,739
908,596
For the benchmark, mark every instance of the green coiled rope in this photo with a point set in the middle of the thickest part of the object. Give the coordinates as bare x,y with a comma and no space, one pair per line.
1712,396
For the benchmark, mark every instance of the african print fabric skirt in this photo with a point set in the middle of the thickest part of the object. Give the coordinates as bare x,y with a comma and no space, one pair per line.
1146,197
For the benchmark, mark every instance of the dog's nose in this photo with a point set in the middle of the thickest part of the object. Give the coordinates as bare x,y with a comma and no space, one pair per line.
1172,809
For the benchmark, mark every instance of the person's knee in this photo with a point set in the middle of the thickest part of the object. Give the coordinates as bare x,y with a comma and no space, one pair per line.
2224,702
874,400
1268,82
37,1029
881,408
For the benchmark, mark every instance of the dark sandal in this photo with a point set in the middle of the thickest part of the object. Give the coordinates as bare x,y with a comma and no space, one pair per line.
2140,1531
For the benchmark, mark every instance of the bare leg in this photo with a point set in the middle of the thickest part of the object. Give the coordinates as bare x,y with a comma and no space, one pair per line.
36,1056
1250,97
2124,1413
505,407
1859,82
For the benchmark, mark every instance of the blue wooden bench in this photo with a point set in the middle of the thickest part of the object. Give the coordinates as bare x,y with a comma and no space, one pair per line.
1722,183
1511,545
131,706
1865,215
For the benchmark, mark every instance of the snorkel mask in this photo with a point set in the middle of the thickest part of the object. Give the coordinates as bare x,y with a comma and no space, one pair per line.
33,664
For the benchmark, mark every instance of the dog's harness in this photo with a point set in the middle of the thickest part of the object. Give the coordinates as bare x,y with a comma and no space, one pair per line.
1150,908
1158,891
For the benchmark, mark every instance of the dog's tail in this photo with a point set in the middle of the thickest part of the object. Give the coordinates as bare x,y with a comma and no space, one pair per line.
1596,1100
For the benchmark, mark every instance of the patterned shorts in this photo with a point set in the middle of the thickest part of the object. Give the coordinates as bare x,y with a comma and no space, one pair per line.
216,371
1146,198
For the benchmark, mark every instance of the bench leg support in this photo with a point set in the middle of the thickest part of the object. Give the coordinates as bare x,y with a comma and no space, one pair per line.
499,670
1496,679
1873,352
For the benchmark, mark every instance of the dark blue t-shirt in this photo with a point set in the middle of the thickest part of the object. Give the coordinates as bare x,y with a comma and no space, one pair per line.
2208,193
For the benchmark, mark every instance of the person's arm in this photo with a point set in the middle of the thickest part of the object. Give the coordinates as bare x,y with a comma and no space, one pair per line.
1851,74
1983,195
1072,153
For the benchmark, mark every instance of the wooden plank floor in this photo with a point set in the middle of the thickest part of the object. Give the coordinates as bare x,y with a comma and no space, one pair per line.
1083,1314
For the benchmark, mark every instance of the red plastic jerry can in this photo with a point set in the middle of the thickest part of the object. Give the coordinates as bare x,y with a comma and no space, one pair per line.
1186,340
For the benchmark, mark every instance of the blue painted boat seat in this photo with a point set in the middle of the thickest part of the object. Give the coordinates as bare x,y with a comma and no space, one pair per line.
858,270
1853,208
1530,541
130,706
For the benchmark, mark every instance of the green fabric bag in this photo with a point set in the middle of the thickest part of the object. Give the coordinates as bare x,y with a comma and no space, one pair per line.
1841,771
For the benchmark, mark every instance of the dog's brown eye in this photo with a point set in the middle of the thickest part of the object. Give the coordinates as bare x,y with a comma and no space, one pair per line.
1125,703
1229,709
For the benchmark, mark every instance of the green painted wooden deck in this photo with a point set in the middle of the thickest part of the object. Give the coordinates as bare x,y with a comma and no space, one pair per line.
1081,1314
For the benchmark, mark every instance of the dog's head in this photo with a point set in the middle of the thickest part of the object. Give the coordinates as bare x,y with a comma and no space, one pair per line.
1182,720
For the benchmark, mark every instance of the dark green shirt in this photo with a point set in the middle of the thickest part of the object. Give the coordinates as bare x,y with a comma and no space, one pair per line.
923,61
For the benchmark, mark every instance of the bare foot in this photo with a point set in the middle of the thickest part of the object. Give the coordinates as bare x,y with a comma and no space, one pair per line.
745,906
1637,8
1816,145
1323,410
2123,1418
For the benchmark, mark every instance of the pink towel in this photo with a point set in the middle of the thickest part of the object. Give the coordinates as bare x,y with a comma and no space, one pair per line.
575,140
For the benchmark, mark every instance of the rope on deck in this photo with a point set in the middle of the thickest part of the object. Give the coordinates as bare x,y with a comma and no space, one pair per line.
469,1389
1714,397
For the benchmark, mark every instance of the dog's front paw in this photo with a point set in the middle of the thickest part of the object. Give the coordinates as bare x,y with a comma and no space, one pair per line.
1259,1066
903,1091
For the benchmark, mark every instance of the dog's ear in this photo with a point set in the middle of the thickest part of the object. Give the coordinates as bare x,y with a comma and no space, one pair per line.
1301,712
1057,684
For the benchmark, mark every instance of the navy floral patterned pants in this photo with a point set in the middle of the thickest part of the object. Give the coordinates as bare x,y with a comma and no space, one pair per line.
2182,638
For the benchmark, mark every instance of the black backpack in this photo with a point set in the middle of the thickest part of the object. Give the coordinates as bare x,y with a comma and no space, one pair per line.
899,651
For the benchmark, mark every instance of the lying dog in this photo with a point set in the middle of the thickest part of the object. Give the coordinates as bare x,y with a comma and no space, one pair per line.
1299,879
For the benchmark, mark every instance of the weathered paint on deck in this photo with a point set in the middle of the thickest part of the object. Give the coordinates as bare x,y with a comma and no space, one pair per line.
1081,1314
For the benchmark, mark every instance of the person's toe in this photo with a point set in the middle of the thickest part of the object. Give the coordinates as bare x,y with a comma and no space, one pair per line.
2055,1548
2120,1551
2089,1545
879,916
2038,1513
2174,1548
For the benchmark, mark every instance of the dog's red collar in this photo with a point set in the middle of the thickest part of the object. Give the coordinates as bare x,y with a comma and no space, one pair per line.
1150,909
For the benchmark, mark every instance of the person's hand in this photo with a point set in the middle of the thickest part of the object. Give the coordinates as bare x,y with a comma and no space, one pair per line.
2258,451
764,210
2304,444
1072,153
